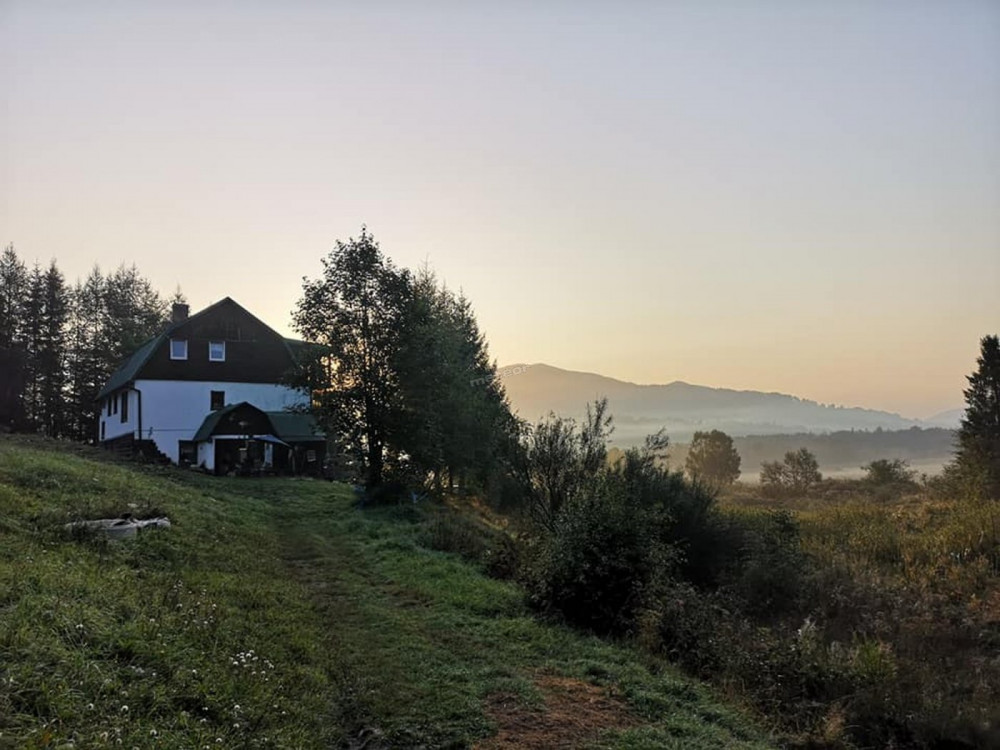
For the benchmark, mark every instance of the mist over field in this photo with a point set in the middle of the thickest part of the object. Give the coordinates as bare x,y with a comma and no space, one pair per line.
764,425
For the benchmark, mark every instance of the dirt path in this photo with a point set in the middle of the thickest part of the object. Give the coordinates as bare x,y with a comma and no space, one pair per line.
425,652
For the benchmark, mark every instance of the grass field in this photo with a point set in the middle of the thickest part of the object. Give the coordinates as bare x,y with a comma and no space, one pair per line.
276,613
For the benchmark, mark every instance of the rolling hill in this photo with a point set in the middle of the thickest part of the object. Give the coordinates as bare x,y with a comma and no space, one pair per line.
683,408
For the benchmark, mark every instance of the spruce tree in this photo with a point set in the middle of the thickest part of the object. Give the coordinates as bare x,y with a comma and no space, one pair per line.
978,455
51,355
13,294
32,325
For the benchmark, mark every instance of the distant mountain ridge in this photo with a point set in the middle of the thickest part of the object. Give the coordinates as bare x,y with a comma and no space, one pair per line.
683,408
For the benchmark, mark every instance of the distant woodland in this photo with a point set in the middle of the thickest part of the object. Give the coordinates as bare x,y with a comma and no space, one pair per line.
843,450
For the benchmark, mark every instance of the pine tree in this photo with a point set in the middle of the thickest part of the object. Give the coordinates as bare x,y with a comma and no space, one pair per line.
13,294
978,456
454,405
132,313
32,325
51,355
87,369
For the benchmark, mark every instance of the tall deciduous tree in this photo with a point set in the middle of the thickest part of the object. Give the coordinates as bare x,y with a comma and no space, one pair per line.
978,456
713,458
355,311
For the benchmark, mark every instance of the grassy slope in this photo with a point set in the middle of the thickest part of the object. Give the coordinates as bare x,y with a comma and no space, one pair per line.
274,614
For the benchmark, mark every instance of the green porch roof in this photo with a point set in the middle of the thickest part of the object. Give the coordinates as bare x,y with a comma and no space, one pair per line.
290,426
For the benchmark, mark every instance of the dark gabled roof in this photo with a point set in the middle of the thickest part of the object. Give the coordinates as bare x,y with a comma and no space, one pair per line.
290,426
129,369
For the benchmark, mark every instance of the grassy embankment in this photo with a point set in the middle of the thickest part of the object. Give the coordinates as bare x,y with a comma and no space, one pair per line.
276,614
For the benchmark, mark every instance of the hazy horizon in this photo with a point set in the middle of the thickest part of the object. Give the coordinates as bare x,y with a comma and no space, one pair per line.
758,196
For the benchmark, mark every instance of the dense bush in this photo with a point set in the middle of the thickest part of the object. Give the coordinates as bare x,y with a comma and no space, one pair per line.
601,563
633,530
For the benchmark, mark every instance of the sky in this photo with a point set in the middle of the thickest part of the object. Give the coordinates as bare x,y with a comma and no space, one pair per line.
796,197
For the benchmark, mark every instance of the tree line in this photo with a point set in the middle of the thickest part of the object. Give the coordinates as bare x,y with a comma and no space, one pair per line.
60,342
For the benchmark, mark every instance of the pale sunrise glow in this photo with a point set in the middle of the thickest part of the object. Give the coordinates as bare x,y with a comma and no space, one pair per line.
758,195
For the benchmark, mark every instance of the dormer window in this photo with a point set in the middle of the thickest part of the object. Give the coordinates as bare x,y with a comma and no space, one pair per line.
216,351
178,349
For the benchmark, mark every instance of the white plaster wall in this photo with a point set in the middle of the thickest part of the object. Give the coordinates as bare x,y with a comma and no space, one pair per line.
174,410
206,454
113,425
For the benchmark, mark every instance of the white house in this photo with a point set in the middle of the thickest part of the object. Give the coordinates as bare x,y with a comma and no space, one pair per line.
209,391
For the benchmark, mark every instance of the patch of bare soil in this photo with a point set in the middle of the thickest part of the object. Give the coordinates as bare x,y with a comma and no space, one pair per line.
574,713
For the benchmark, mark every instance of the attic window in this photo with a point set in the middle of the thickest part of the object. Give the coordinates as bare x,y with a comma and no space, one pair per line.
178,349
216,351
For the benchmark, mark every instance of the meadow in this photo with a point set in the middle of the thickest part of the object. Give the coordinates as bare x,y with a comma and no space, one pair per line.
279,614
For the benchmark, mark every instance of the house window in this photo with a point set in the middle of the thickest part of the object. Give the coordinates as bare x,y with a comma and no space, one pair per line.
218,400
108,404
114,404
178,349
125,407
216,351
102,429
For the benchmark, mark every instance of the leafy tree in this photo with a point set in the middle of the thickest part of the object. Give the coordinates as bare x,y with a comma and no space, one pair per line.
355,312
884,471
797,473
978,455
803,469
560,459
713,458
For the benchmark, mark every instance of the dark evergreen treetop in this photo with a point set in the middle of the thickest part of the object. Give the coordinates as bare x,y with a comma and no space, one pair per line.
979,436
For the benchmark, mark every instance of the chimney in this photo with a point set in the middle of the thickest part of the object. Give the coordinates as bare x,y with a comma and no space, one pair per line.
179,312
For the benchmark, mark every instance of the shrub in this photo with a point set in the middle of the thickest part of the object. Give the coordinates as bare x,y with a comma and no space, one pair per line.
451,532
884,471
772,574
600,564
